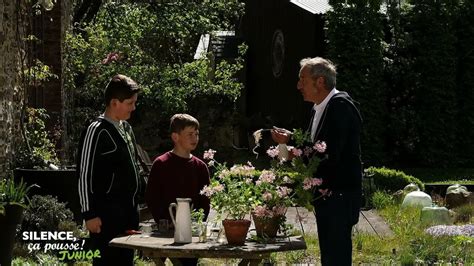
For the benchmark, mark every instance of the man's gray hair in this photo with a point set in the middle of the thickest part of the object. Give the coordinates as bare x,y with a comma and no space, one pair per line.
320,67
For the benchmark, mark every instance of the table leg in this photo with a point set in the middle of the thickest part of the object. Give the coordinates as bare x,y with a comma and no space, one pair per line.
250,262
159,262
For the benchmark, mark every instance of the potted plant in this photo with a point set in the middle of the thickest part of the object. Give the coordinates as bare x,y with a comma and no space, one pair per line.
231,195
273,195
13,200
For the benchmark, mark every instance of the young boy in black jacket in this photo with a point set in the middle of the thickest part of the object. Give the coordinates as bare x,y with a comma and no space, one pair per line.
108,169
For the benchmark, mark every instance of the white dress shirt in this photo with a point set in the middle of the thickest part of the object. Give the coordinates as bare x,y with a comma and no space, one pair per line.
319,109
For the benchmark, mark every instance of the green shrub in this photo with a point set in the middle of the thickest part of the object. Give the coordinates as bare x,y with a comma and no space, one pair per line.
391,179
381,199
45,213
38,149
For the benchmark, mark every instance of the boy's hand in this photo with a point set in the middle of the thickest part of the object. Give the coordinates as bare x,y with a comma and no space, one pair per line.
94,224
280,135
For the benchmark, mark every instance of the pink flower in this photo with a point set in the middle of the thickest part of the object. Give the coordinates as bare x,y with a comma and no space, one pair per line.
283,191
207,191
320,146
297,152
279,210
267,196
266,177
308,183
209,154
272,151
260,211
111,57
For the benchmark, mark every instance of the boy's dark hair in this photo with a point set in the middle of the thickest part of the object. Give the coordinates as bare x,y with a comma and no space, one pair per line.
180,121
120,87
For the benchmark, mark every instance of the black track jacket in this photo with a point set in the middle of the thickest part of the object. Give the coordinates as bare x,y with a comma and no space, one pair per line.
108,174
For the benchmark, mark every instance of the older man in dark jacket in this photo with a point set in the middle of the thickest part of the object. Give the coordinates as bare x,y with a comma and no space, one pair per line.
337,122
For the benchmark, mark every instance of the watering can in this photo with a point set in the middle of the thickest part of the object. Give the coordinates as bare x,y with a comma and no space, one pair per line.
182,221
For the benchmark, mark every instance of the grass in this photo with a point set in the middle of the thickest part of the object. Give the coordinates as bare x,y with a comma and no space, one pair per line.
412,245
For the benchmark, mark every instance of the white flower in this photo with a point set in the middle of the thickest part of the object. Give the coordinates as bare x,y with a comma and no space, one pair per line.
288,180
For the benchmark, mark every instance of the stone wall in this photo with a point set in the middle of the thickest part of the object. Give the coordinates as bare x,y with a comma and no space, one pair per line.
9,90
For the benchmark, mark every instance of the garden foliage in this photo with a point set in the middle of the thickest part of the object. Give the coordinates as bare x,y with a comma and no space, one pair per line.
355,35
391,179
39,149
45,213
153,43
410,66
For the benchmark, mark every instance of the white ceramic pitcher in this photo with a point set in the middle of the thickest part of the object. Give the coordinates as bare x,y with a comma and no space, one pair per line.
182,221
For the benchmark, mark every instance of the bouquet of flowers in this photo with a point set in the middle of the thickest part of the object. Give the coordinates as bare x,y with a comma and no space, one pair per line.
298,169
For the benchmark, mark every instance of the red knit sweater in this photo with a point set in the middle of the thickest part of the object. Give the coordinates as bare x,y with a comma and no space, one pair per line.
174,177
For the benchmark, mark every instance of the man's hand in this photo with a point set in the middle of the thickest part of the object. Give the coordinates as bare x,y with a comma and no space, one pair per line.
94,224
280,135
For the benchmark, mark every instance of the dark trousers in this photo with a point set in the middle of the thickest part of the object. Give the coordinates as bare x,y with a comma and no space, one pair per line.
114,224
335,217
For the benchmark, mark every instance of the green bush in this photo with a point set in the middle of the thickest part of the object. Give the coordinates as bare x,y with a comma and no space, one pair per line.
391,179
45,213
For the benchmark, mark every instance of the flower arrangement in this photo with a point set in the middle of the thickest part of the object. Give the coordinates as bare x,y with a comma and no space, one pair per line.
231,189
266,194
299,167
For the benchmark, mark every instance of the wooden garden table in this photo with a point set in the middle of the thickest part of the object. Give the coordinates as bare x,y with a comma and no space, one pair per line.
159,246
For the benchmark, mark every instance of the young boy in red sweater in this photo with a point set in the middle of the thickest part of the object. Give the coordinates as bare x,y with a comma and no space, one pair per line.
178,173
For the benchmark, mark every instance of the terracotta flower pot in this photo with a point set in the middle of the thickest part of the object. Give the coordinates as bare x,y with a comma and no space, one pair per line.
265,226
236,231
